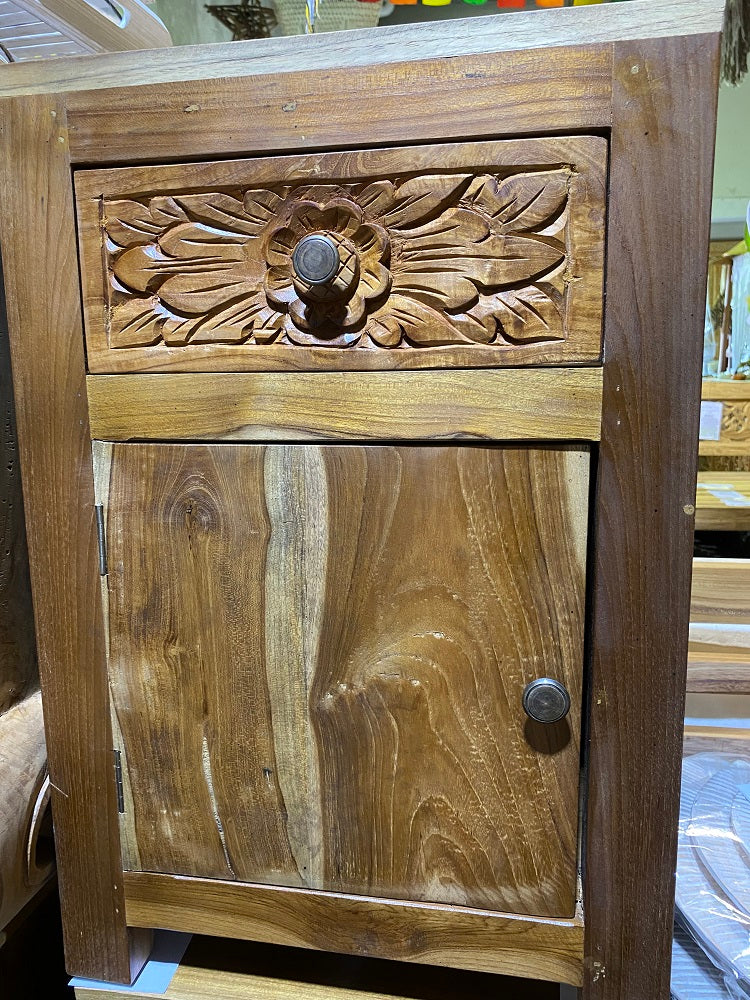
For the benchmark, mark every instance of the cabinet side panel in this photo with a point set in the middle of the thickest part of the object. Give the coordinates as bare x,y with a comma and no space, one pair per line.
664,95
47,350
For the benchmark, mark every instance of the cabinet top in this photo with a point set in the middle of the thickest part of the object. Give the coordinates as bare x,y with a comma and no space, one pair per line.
638,19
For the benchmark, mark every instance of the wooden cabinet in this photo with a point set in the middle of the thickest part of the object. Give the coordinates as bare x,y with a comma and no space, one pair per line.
358,393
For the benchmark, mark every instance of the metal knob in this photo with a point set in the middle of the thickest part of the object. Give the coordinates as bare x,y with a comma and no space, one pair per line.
546,700
316,259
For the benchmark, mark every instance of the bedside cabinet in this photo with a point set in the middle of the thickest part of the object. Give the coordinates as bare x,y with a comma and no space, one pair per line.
358,381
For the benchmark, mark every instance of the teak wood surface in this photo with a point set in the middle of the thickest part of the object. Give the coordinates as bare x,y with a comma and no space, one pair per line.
644,79
546,404
395,603
719,649
722,501
458,937
199,276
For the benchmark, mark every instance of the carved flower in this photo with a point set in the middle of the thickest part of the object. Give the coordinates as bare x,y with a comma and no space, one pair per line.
426,261
331,311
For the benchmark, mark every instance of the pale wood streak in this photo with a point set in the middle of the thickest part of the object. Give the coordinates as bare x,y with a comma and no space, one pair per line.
531,404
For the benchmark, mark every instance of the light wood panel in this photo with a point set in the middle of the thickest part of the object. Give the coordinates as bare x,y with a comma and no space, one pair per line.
663,121
700,739
349,49
422,933
544,404
455,255
722,501
734,396
721,591
479,95
719,648
46,339
374,615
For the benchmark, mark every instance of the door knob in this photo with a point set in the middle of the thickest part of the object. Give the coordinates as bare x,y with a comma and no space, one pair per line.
546,700
316,259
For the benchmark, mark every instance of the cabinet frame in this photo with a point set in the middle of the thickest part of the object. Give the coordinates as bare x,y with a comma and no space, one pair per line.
640,80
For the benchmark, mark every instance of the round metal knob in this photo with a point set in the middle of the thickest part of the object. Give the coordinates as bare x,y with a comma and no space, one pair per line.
546,700
316,259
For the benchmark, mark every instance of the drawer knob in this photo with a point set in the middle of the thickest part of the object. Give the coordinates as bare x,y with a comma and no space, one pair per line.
316,259
546,700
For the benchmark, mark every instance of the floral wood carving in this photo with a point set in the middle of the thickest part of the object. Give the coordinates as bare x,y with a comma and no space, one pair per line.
425,261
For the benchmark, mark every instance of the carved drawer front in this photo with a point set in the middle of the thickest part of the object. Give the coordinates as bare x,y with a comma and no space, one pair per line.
472,254
318,656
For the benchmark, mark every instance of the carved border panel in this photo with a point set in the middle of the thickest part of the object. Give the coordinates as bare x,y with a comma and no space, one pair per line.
456,255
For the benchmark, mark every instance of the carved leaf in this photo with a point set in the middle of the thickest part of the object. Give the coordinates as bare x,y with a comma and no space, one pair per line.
522,202
429,327
419,198
135,323
426,261
448,261
129,223
227,213
531,313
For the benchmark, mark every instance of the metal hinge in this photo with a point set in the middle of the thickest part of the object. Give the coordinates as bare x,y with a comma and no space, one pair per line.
101,539
118,782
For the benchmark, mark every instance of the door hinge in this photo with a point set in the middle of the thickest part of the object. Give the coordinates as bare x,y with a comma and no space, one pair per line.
101,539
118,782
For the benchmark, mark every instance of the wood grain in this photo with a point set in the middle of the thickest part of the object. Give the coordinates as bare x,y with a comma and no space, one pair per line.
414,932
459,255
477,96
46,338
712,739
722,501
663,121
395,602
721,591
724,672
238,970
350,49
18,669
543,404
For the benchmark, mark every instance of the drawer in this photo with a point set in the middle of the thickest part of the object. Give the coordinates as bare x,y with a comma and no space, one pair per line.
453,255
318,657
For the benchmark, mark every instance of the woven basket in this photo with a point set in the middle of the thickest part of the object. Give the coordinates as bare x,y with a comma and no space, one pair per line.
332,15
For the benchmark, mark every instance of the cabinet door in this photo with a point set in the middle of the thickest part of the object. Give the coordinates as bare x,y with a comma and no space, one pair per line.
317,660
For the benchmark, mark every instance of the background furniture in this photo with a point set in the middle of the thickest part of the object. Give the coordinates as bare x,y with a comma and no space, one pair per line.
380,616
42,29
25,846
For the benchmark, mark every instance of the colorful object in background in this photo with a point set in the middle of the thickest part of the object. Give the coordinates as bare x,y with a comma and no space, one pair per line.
435,3
514,4
550,3
400,2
